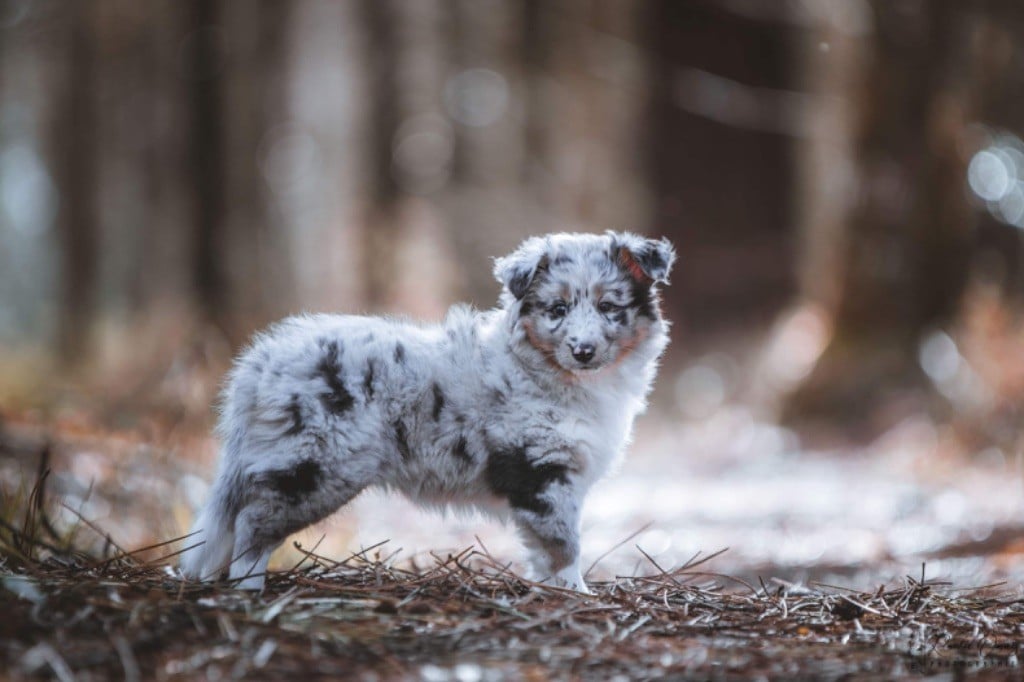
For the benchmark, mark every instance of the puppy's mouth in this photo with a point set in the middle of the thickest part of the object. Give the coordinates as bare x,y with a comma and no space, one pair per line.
585,367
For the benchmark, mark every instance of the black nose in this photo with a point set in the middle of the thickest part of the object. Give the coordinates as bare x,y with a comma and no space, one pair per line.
583,352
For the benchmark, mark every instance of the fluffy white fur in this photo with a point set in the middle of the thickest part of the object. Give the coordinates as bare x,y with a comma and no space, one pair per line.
516,411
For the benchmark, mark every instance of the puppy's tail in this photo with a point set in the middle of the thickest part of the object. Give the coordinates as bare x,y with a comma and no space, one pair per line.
213,534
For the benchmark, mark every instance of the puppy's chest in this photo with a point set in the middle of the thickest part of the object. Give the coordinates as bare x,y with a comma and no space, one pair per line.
598,435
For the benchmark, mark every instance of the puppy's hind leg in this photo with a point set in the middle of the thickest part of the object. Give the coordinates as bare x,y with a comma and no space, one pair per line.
213,533
281,502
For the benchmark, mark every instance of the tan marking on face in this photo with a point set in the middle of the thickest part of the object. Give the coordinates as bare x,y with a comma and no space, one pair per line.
546,350
628,346
536,341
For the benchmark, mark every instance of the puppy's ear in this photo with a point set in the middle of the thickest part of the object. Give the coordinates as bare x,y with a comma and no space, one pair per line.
517,271
647,260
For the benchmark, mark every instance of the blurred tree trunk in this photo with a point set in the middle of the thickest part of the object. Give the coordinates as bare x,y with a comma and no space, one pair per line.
381,229
205,66
165,275
260,146
237,53
536,46
603,59
128,88
718,140
824,159
482,176
75,162
907,227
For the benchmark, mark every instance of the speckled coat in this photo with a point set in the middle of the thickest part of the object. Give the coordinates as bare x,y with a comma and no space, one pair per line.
516,411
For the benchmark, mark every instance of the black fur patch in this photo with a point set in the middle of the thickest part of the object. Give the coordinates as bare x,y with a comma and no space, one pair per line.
400,353
650,261
295,412
438,402
337,399
368,389
233,495
643,300
526,308
510,474
296,483
519,283
402,440
461,450
563,259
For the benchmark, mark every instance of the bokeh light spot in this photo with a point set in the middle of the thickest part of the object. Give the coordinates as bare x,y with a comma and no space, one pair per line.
290,159
422,153
988,175
700,391
476,97
939,357
27,196
996,177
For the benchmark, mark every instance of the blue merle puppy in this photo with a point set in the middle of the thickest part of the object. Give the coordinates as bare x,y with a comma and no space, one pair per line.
516,411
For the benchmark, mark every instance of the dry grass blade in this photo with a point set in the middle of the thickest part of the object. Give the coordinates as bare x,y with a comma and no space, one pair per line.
614,547
99,531
70,614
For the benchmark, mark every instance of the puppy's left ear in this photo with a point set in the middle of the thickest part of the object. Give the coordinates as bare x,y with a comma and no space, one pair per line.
517,271
647,260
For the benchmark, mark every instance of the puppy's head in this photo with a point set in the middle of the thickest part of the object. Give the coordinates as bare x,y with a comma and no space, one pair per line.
585,301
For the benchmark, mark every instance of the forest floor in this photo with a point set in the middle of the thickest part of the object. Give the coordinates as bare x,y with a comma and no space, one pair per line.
721,550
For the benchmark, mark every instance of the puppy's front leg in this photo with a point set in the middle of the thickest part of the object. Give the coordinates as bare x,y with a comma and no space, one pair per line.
551,530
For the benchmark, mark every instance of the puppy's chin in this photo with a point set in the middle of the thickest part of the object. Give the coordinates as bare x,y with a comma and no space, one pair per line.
583,370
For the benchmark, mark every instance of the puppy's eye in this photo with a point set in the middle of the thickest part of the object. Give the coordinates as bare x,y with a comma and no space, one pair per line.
559,309
607,307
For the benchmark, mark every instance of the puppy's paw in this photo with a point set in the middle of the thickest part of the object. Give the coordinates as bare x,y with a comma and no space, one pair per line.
572,579
582,588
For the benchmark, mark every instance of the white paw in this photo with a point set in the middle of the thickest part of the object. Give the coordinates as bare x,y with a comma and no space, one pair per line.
582,588
572,579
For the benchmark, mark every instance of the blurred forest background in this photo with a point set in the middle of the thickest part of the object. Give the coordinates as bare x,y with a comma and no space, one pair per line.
843,180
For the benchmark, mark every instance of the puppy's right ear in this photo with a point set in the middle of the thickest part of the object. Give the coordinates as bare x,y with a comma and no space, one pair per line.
517,271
